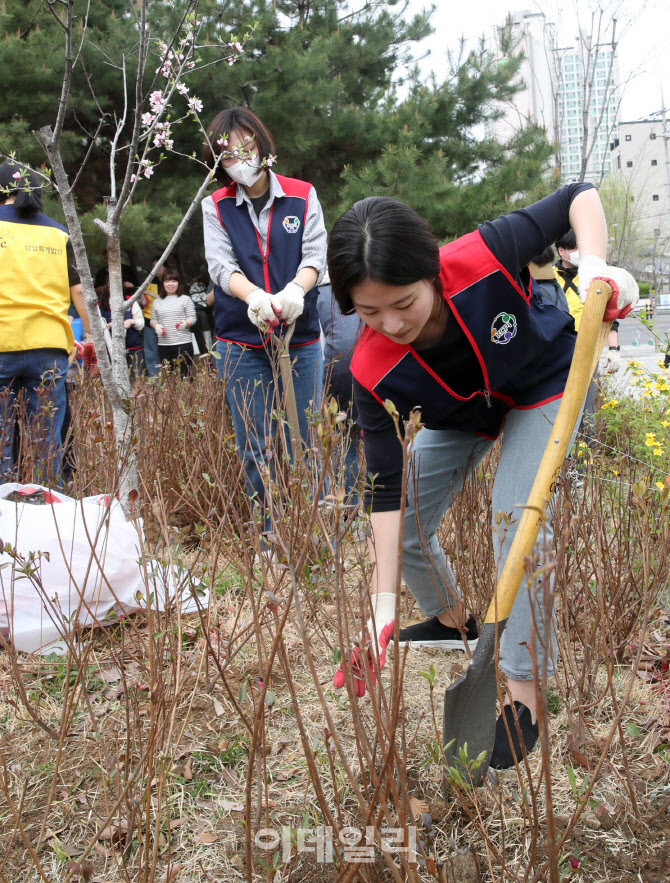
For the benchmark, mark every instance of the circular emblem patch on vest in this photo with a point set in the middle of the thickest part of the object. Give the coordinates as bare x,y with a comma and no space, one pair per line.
291,224
503,328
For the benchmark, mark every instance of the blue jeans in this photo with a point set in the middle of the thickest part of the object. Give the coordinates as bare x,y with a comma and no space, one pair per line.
40,374
251,398
151,358
442,459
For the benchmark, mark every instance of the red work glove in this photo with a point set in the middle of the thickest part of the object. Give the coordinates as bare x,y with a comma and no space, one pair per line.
78,350
383,607
90,358
182,325
160,331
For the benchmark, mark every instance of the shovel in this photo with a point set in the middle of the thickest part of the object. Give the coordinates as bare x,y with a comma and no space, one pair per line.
470,703
283,344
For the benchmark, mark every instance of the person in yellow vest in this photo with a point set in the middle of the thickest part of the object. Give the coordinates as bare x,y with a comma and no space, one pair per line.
37,283
151,357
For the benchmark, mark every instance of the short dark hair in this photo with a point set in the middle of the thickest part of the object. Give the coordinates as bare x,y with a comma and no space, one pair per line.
26,189
547,257
384,240
171,273
226,122
567,241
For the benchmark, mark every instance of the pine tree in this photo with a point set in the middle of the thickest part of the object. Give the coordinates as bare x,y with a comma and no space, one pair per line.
325,81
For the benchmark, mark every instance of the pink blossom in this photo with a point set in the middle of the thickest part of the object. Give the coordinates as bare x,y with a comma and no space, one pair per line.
16,176
195,104
237,46
182,88
190,65
574,862
270,160
133,178
148,172
157,101
147,119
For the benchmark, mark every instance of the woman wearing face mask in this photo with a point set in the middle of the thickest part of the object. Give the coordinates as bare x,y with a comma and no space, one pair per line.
265,243
460,332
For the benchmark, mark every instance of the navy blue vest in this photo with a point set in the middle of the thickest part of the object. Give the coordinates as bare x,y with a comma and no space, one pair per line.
523,344
271,271
133,336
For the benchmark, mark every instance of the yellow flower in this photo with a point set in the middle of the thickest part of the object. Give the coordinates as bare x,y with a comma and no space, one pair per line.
660,485
651,442
615,472
658,452
665,423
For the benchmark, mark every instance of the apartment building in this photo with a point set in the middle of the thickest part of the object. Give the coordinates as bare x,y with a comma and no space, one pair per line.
639,154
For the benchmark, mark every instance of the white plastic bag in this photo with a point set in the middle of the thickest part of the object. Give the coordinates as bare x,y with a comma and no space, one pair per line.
75,561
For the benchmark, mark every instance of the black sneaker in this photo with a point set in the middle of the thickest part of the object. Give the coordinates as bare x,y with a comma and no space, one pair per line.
503,755
432,633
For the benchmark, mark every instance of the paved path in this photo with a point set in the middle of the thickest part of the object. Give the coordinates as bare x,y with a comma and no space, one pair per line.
644,354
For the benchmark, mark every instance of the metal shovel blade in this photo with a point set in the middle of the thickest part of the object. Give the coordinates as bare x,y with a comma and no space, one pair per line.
469,721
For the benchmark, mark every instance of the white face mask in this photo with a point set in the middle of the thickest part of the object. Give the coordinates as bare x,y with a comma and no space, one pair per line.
246,172
573,257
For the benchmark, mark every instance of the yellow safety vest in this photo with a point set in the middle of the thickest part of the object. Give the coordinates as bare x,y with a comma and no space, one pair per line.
570,286
150,293
34,288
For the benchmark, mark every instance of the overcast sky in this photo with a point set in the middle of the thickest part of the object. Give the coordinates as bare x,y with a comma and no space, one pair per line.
644,48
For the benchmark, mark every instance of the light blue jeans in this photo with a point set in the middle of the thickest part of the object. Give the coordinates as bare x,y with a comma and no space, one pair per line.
40,374
152,359
442,460
250,396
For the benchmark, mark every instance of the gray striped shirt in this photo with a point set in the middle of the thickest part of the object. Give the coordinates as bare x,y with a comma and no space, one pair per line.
221,258
167,311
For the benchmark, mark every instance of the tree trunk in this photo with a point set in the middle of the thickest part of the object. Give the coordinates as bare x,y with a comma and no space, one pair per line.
114,371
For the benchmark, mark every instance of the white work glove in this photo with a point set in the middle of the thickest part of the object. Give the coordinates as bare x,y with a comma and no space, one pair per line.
292,300
613,362
160,331
182,325
260,309
625,293
373,645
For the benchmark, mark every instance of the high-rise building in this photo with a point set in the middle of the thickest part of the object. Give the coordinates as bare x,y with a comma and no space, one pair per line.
559,82
588,80
536,100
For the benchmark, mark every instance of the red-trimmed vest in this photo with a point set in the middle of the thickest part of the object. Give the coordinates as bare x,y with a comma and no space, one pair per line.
523,345
270,270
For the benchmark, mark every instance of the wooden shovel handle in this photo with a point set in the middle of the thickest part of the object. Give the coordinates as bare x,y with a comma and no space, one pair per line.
590,341
289,393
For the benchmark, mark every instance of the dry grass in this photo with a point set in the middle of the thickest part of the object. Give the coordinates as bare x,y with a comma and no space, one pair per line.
156,717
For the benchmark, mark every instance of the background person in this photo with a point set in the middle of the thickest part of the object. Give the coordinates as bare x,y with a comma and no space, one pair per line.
340,334
172,317
461,333
150,339
265,244
542,270
37,283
